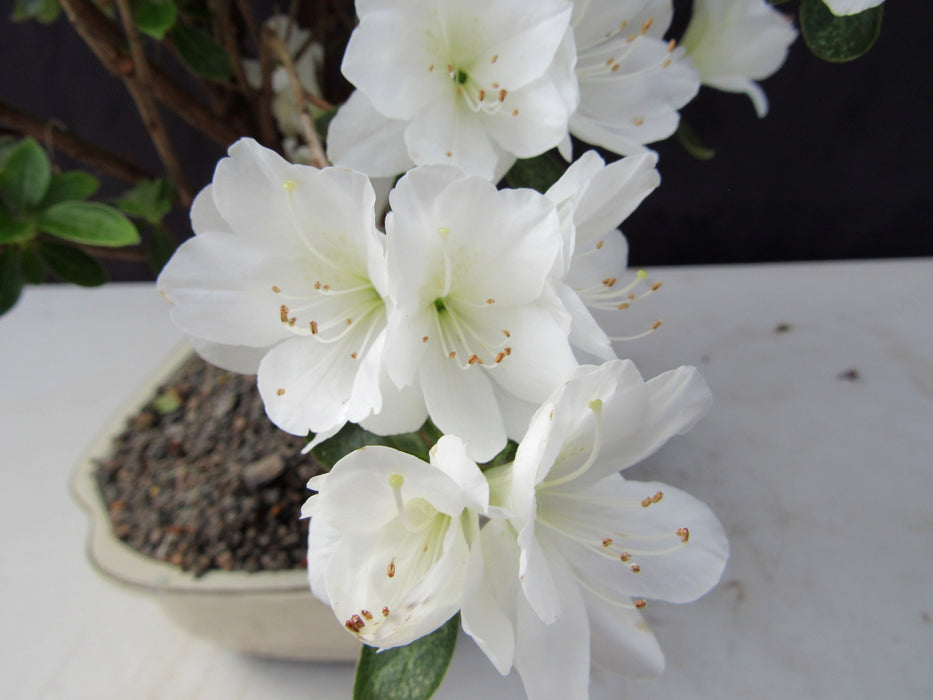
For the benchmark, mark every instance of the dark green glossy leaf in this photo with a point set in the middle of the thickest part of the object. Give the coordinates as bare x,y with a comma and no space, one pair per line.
689,139
71,264
11,277
351,437
201,53
73,185
14,230
45,11
838,39
160,249
89,222
155,17
150,200
32,266
538,173
25,175
412,672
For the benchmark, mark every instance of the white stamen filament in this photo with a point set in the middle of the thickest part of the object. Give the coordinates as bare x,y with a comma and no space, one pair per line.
596,406
289,187
395,483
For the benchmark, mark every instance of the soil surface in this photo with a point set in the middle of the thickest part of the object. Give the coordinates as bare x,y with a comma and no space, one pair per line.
201,477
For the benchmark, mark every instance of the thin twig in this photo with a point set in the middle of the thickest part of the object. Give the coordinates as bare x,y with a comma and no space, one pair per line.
106,41
267,128
221,10
249,20
139,86
318,159
55,137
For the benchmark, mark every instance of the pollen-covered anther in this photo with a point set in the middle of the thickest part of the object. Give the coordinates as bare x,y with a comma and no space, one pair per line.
671,45
615,67
638,121
667,62
390,569
623,25
475,360
506,333
385,611
326,287
607,542
499,357
600,244
355,623
624,305
507,351
481,95
449,154
452,354
424,339
276,289
657,497
349,321
280,392
450,69
657,324
683,533
630,38
609,281
490,300
647,25
641,603
292,321
656,286
494,58
635,568
431,68
365,613
353,355
514,112
283,313
313,325
625,556
502,93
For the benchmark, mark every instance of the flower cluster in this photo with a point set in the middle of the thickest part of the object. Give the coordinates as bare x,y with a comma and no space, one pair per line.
479,85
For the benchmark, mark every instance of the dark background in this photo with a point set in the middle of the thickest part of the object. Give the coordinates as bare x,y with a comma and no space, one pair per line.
840,167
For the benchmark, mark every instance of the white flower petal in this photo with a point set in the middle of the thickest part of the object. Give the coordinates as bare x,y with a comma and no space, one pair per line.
450,456
596,20
850,7
322,541
204,214
621,641
403,410
585,332
361,138
233,358
542,104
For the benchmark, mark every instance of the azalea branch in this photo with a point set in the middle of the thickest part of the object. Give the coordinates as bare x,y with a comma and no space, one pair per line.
318,158
221,10
54,136
106,40
139,87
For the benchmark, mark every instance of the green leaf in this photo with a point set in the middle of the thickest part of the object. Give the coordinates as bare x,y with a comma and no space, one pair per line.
689,139
838,39
538,173
412,672
25,175
72,265
46,11
150,200
11,277
32,266
351,437
160,249
155,17
14,230
201,53
64,187
89,222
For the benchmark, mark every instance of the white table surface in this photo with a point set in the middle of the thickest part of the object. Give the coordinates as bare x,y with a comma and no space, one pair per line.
824,484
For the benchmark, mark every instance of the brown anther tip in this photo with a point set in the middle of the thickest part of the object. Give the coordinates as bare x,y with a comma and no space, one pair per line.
482,95
313,325
657,324
449,154
349,321
495,86
283,313
607,542
671,45
317,285
385,611
647,25
390,569
474,359
276,289
450,68
641,603
506,333
609,281
610,61
623,25
326,287
365,613
292,321
280,392
666,63
453,354
353,355
657,497
638,121
502,93
615,68
625,556
514,112
683,533
500,357
600,244
430,68
424,339
494,58
646,501
507,351
631,37
635,568
623,306
656,286
490,300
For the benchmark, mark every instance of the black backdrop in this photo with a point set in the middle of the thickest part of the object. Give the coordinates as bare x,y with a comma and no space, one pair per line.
840,167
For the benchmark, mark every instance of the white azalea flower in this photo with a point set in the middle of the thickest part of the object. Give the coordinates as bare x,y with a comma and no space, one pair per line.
733,43
850,7
632,81
559,583
286,276
473,85
474,323
592,200
389,539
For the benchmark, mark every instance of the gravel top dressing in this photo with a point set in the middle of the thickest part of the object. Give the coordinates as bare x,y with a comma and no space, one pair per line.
202,479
